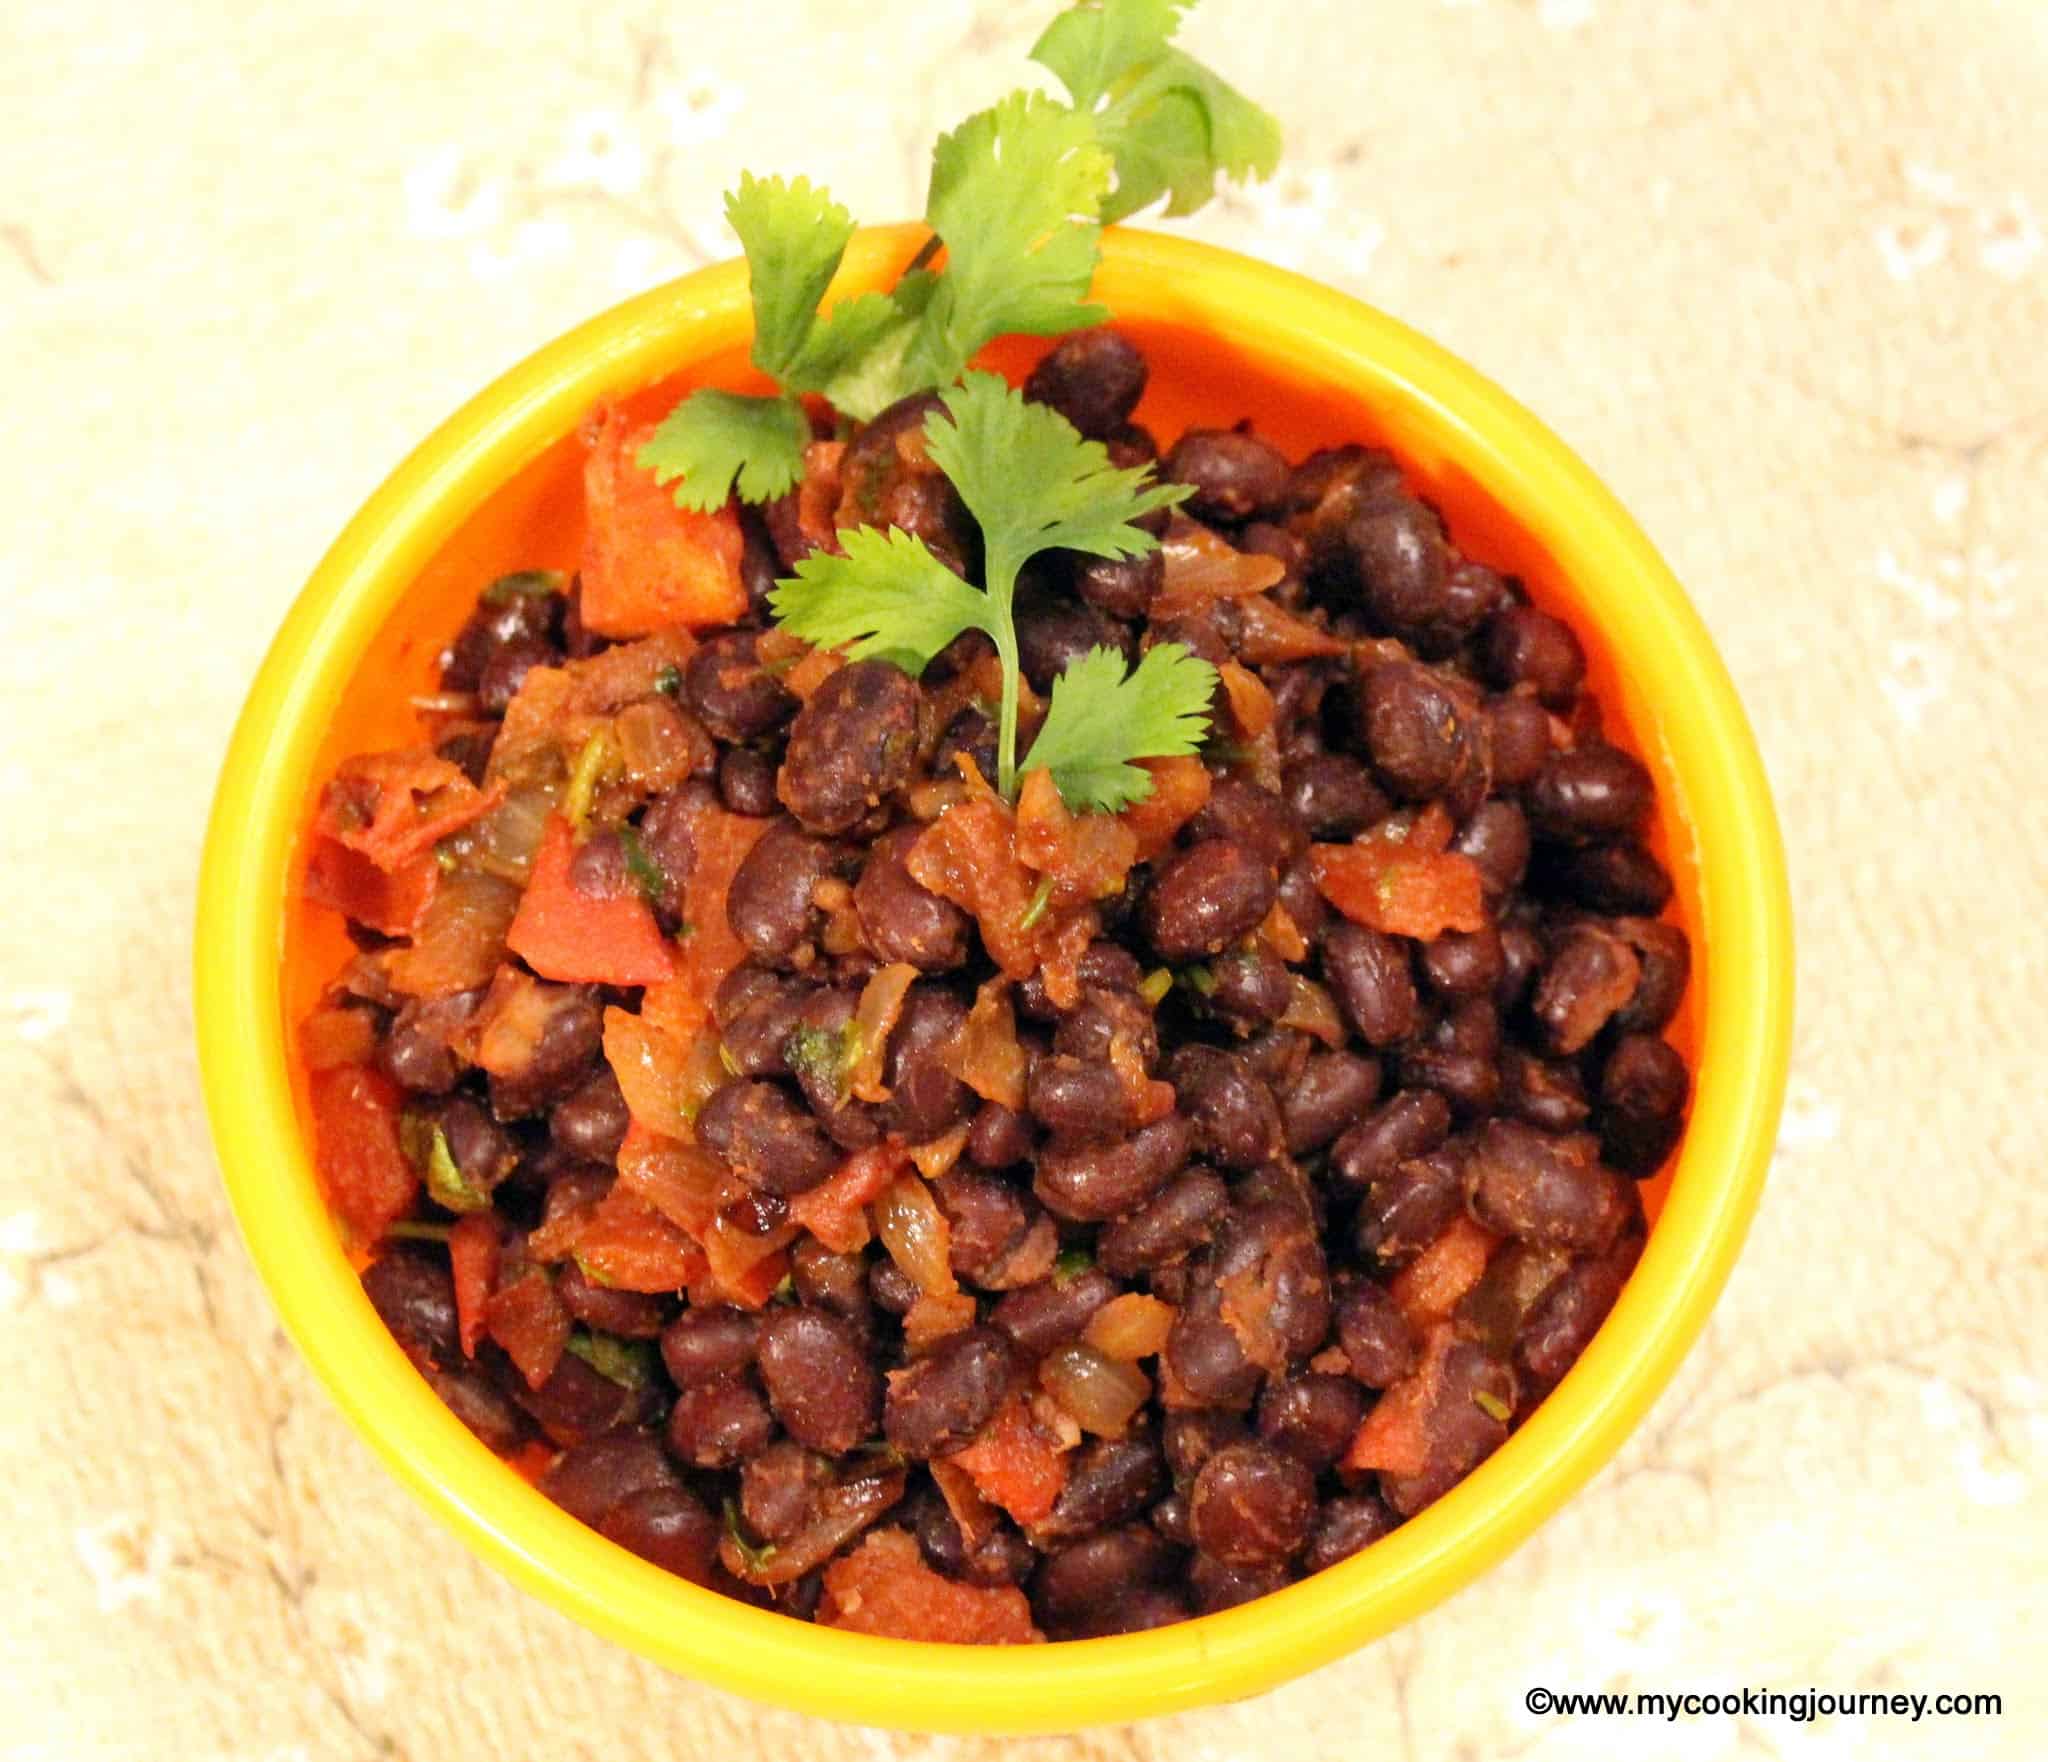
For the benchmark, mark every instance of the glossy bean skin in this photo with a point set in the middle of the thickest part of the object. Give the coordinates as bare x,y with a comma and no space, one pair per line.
832,1281
1120,587
588,1480
1334,796
719,1424
779,1489
770,1141
1548,1093
1459,1429
904,920
1215,1587
1406,1209
1587,794
1401,562
668,1526
414,1296
1234,475
1094,378
1248,988
1094,1182
1409,1124
1075,1099
1544,1188
591,1120
850,747
1643,1090
1368,973
824,1021
925,1099
1531,648
1590,974
1333,1092
1235,1120
769,905
746,783
1261,1301
1089,1574
560,1055
821,1384
1052,1311
1310,1417
1518,1276
757,1011
1182,1217
1204,899
1111,1481
990,1218
1000,1138
1562,1324
884,483
1664,955
1518,729
728,689
890,1288
1052,634
481,1402
632,1315
1462,964
1345,1526
1618,878
1496,838
1090,1030
701,1345
1325,492
1252,818
527,625
1426,734
1252,1505
938,1402
417,1051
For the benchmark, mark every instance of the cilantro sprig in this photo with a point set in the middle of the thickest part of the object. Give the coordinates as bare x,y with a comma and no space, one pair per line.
1018,197
1032,484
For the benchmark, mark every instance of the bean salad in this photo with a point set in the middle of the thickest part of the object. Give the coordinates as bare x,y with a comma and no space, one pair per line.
943,1214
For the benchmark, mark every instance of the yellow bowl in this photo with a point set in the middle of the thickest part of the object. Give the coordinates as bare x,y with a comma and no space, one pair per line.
495,488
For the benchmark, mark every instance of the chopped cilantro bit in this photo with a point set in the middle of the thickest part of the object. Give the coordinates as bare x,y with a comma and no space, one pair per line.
824,1056
1070,1265
597,758
1199,980
646,873
629,1363
669,680
445,859
524,584
419,1230
1041,898
755,1554
1491,1405
725,1057
426,1148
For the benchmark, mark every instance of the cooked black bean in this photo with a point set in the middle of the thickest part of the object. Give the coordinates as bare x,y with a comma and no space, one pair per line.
1216,1587
528,623
1120,587
1334,796
1402,563
1073,1099
1052,634
632,1315
1406,1209
1248,988
833,1281
719,1424
903,919
1517,1276
591,1120
850,747
1519,728
1463,964
1000,1138
1458,1058
938,1402
482,1402
1406,1125
1344,1527
1368,973
1528,647
1643,1090
414,1296
478,1145
1425,731
768,1139
1252,1505
555,1057
1303,899
1204,899
1261,1301
1543,1187
821,1384
1521,949
1170,1518
971,733
578,1402
1094,378
1327,490
731,692
1132,1612
1254,818
1179,1219
770,904
590,1479
1051,1312
1094,1182
1614,878
1564,1321
1591,973
1545,1092
1089,1574
1472,593
1278,1056
1090,1030
1109,1480
989,1217
1665,956
756,1011
1460,1424
417,1051
1496,838
1330,1096
884,484
746,782
1235,1119
1263,539
1311,1417
668,1526
1379,1345
1001,1557
703,1344
925,1099
1233,473
1130,444
1588,794
817,1059
894,1291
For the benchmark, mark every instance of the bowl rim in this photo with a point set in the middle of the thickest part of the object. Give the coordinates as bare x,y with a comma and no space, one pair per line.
1744,1049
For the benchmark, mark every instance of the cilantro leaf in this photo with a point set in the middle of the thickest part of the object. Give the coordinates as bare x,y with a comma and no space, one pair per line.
793,235
712,438
1171,123
856,352
1101,719
888,598
1016,194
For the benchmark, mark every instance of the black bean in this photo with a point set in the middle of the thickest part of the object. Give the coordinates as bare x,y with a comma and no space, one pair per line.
1590,793
769,904
1545,1092
719,1424
938,1402
1204,899
1000,1139
557,1053
1330,1096
1543,1187
1215,1587
1643,1090
1563,1323
1402,563
925,1099
1120,587
668,840
1521,948
668,1526
1090,1030
505,672
1110,1480
1092,1183
1472,593
1406,1209
1089,1574
821,1384
414,1296
1327,490
632,1315
833,1281
769,1140
969,732
746,782
988,1216
893,1290
1528,647
1252,1505
1459,1425
1131,444
759,565
1073,1099
1233,473
1311,1417
1343,1528
1425,731
1094,378
1496,838
1257,819
482,1403
1368,973
588,1480
1665,956
886,484
1520,731
1334,796
1131,1612
1263,1300
902,919
1051,1312
417,1051
1409,1124
815,1059
1278,1056
1263,539
1236,1121
1052,634
504,620
1179,1219
1458,1058
851,746
591,1120
479,1147
1517,1276
1190,1436
1379,1345
1611,878
1591,973
703,1344
757,1011
578,1402
1463,964
728,689
1303,899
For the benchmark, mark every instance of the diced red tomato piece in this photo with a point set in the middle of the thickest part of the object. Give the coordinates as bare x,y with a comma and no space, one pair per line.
1428,1288
1015,1465
646,562
365,1173
835,1211
1394,1436
390,902
526,1318
884,1587
473,1254
1180,789
627,1244
564,933
1392,881
394,807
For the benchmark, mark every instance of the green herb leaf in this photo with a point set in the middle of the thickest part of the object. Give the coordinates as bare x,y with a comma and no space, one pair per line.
419,1230
1157,984
755,1554
1102,718
426,1148
714,440
669,681
1096,43
525,584
646,873
794,235
629,1363
887,598
855,356
825,1056
1071,1264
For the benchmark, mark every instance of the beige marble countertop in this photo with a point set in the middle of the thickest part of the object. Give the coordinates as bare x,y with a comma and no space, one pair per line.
1776,269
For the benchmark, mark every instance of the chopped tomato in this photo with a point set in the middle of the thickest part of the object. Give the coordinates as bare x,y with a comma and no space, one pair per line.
355,1136
1394,1436
473,1254
835,1211
1392,880
626,1244
526,1318
394,807
557,709
709,950
680,1180
564,933
648,564
1427,1289
1180,790
1014,1464
391,902
884,1587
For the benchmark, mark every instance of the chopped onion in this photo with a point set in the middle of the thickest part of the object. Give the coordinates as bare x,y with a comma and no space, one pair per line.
1099,1393
1311,1010
881,1002
1130,1327
510,833
917,1236
1202,565
986,1054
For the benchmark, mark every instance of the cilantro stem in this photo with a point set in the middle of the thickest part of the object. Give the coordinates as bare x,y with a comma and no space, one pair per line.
925,253
1006,648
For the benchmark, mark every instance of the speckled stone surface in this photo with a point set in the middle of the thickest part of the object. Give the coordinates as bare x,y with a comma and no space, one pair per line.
1777,270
